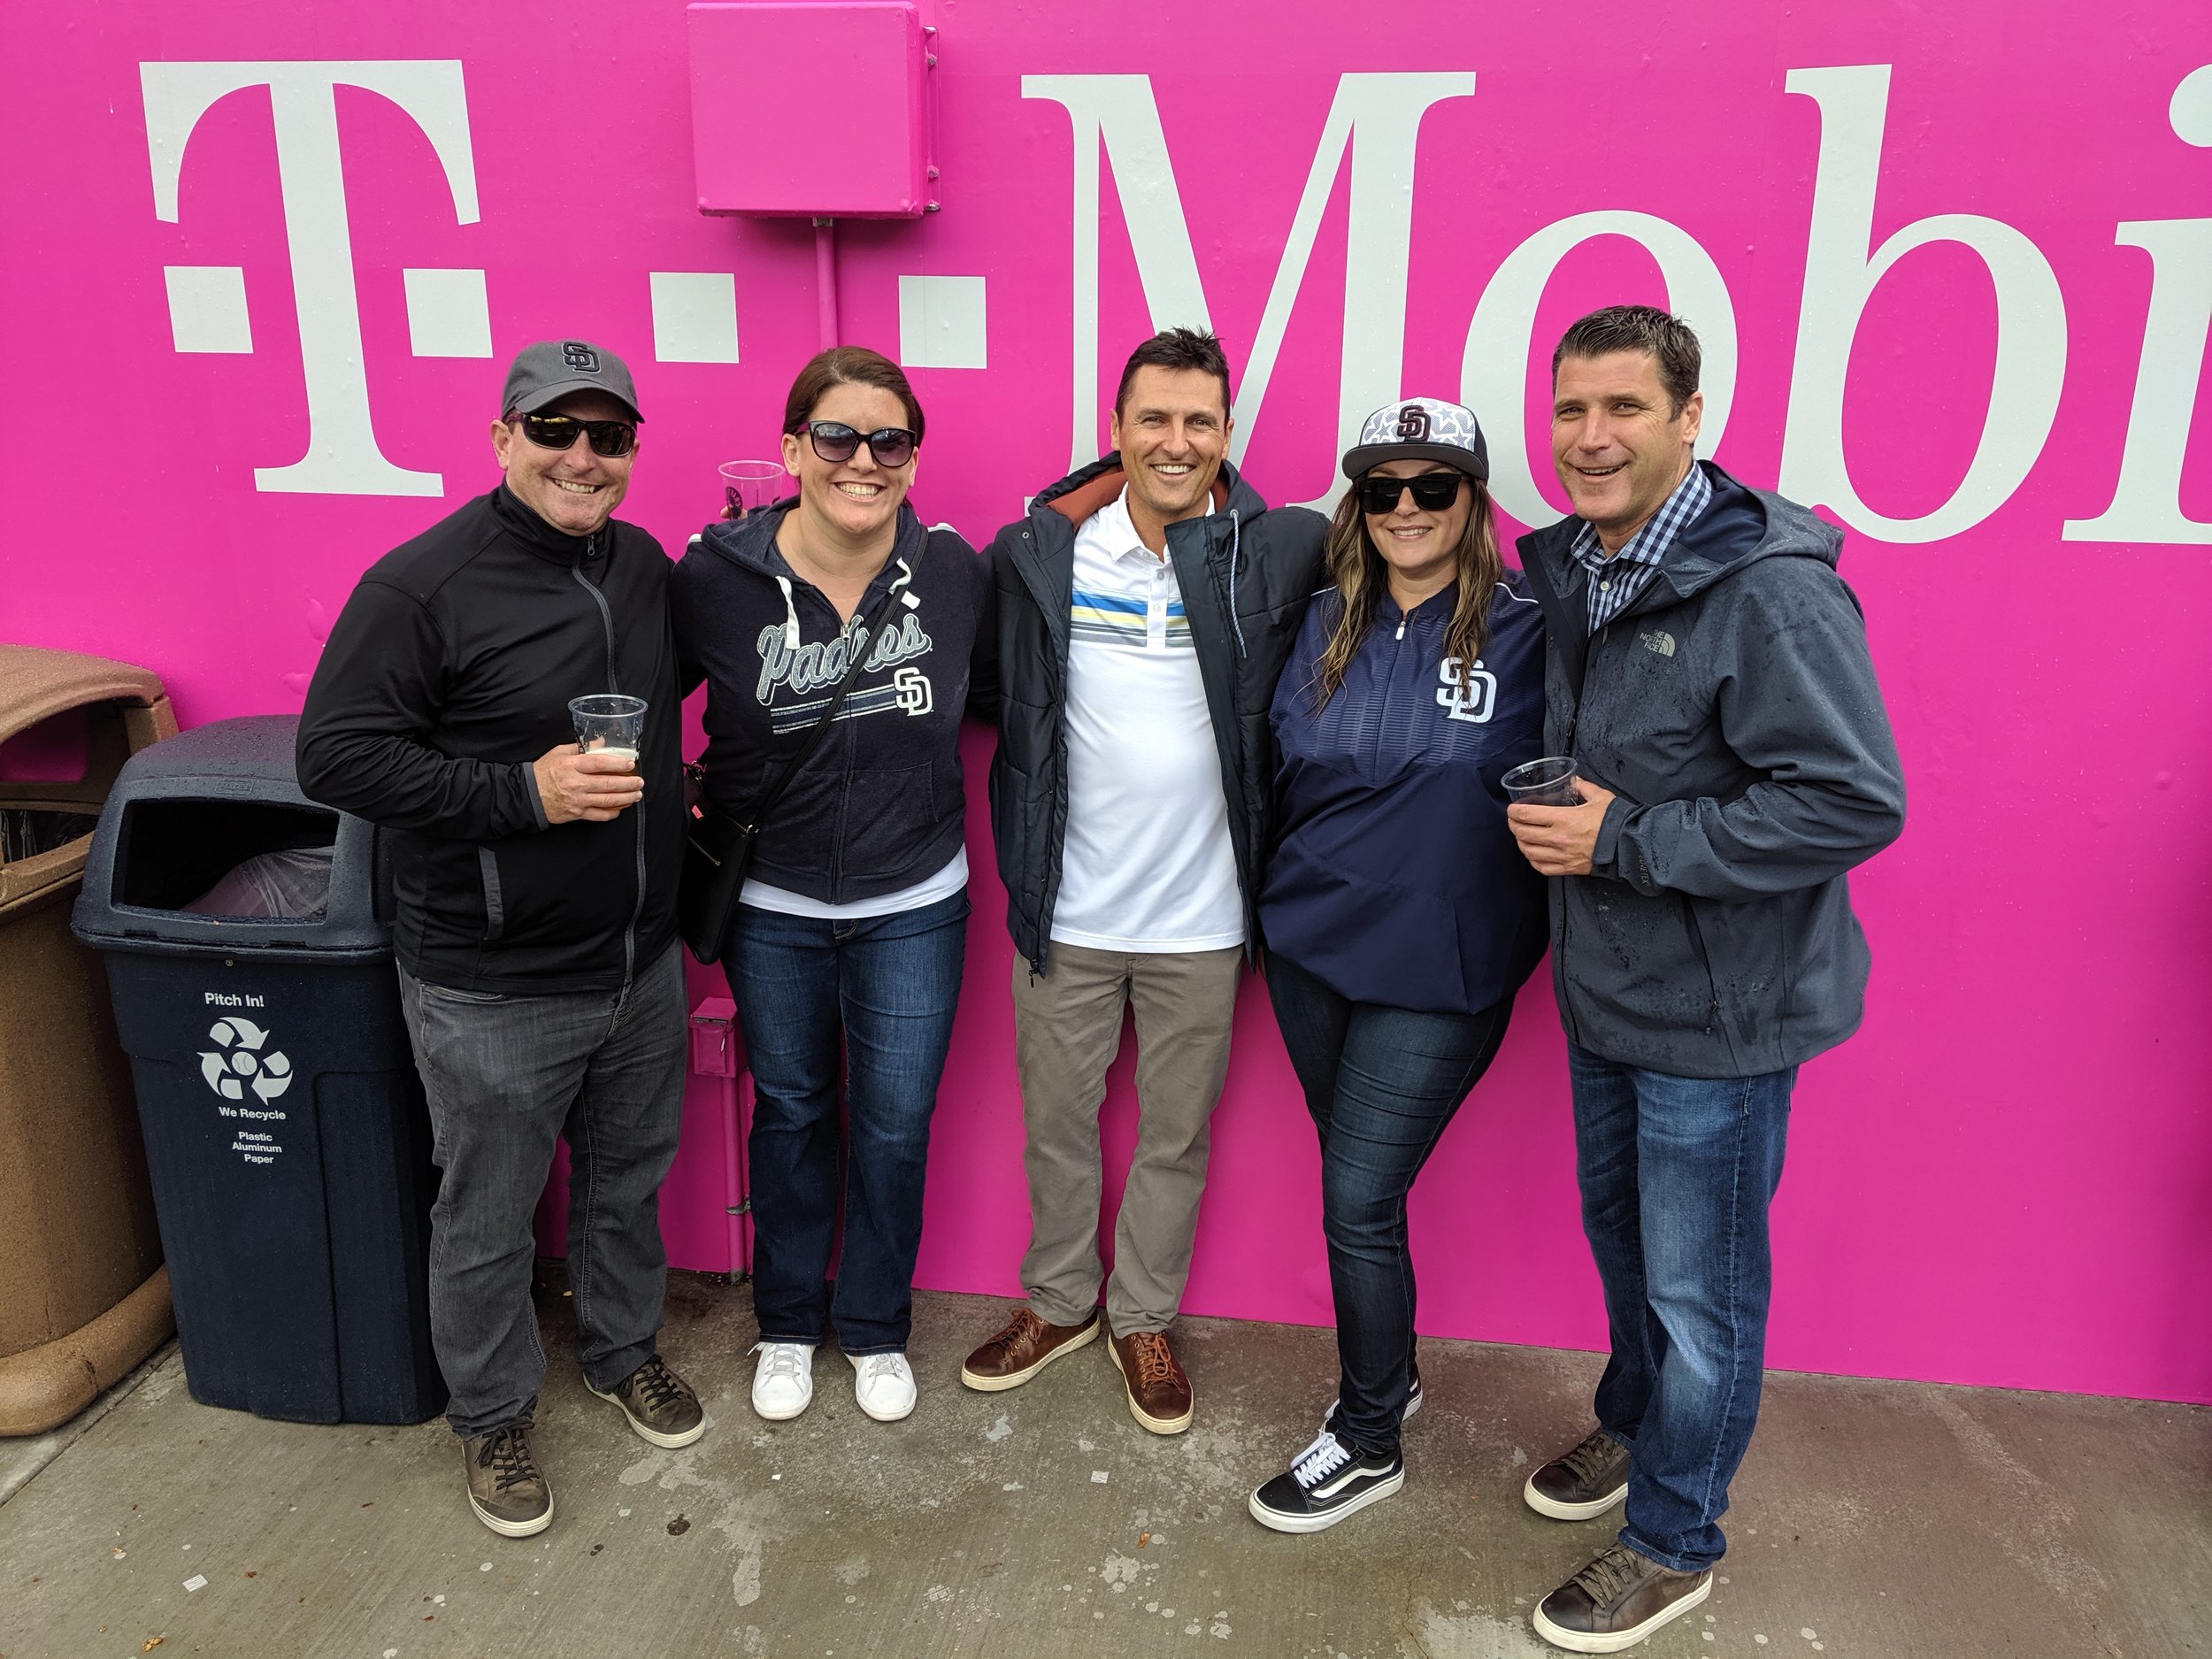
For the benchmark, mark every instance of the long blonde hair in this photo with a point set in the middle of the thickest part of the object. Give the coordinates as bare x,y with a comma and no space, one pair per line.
1362,578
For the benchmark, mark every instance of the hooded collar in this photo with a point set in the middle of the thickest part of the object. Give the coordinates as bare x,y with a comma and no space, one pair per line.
750,543
1738,527
1083,492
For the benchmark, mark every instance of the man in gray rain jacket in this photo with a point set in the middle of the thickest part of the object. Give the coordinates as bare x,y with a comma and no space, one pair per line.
1709,670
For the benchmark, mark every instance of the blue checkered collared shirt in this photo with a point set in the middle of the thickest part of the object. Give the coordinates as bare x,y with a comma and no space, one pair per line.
1615,582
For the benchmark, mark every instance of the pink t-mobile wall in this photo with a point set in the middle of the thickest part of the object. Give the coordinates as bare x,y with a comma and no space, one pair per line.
266,264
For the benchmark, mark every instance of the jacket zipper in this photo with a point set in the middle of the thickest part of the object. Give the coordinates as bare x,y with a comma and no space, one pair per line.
1713,1017
1248,882
845,737
637,907
1057,830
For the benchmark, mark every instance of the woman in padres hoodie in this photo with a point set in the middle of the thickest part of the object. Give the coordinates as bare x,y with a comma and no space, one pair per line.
1399,916
846,955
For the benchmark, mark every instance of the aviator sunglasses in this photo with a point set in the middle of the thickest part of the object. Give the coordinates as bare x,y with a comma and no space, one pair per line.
834,441
611,439
1433,492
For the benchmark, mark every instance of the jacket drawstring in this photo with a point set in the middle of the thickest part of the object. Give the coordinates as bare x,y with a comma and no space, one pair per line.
790,615
1236,540
900,589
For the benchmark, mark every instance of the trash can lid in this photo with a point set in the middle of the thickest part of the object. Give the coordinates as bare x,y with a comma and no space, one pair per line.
246,761
36,685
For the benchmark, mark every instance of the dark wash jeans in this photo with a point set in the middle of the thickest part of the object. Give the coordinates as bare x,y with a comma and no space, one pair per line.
1677,1173
1381,1085
888,986
505,1076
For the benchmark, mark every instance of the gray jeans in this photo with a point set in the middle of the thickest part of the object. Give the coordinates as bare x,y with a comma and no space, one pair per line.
1067,1029
505,1076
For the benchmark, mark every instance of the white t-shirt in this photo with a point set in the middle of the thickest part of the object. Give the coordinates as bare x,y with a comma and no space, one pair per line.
928,890
1148,865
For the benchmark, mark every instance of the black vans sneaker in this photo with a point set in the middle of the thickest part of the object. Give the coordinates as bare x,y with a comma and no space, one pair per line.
1323,1483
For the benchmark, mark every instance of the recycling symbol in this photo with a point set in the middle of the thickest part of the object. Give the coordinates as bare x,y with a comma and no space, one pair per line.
243,1060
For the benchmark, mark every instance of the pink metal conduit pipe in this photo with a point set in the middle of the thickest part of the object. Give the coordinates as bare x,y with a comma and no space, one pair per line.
714,1054
825,279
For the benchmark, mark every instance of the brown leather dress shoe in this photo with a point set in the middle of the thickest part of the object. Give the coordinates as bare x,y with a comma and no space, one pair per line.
1025,1347
1159,1392
1616,1601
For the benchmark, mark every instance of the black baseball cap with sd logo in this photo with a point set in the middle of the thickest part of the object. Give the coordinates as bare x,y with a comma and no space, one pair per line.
552,369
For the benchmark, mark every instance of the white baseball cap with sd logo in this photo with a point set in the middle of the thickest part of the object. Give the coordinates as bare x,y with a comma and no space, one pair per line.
1420,429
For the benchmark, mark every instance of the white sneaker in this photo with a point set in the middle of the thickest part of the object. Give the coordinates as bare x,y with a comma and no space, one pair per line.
783,1381
884,1385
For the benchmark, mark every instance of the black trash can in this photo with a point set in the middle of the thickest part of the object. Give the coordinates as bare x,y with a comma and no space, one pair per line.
285,1127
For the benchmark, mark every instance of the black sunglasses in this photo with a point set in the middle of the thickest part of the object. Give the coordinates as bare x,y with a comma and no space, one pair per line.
836,442
1433,492
609,438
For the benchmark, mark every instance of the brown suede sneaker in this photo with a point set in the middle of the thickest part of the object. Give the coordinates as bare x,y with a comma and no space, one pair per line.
506,1490
1616,1601
660,1405
1586,1482
1025,1347
1159,1392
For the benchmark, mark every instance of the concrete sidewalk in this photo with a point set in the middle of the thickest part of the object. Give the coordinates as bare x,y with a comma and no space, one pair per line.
1872,1521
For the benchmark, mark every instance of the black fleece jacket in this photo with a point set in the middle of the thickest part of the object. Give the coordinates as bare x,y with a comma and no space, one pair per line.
448,673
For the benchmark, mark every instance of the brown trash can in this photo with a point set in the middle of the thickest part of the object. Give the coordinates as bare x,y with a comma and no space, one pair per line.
83,1296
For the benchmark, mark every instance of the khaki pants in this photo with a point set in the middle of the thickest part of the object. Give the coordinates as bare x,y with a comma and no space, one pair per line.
1067,1029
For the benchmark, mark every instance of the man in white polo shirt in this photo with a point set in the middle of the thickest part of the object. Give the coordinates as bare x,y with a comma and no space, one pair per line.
1146,605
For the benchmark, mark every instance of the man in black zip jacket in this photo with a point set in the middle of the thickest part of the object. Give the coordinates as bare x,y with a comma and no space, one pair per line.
536,887
1709,670
1145,606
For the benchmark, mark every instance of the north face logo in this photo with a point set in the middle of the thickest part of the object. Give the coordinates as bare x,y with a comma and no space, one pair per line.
1658,640
1413,423
580,357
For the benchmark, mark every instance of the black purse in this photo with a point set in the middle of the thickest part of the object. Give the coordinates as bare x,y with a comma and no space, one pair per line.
719,849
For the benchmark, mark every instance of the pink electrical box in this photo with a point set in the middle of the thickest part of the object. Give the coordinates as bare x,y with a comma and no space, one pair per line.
812,110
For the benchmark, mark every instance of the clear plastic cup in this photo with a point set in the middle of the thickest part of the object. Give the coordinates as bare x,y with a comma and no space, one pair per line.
1547,782
750,485
609,724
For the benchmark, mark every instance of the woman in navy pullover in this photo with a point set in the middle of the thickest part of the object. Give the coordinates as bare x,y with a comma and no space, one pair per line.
1399,919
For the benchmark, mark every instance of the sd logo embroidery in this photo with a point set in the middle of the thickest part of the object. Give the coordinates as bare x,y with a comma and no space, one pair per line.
1413,424
1474,702
580,357
911,687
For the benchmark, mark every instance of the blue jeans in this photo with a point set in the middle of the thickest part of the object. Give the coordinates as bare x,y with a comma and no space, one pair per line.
1381,1085
1677,1173
874,1001
504,1076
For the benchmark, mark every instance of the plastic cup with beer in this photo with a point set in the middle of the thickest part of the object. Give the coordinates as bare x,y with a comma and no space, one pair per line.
609,724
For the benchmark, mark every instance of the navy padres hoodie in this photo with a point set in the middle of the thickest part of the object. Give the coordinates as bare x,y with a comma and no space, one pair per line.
880,805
